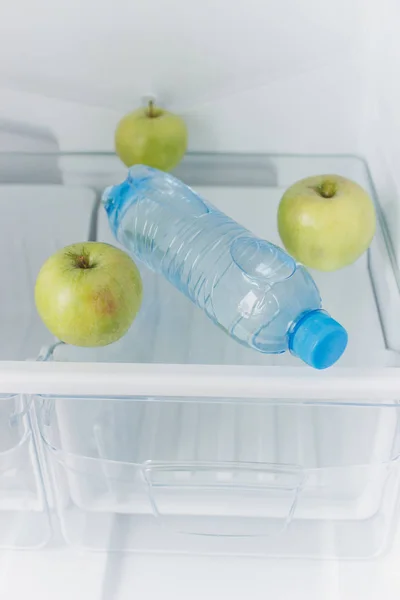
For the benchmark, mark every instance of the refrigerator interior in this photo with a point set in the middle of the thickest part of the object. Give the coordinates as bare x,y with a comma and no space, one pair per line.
341,100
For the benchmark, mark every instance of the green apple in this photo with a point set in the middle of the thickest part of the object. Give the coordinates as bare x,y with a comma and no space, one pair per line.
326,222
151,136
88,294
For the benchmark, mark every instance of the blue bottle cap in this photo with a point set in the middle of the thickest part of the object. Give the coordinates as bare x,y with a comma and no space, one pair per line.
318,339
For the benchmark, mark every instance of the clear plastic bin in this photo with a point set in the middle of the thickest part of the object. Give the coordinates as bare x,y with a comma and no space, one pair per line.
24,517
253,454
245,477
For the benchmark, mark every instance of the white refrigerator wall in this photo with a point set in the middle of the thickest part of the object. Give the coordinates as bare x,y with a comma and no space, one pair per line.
380,132
278,75
249,75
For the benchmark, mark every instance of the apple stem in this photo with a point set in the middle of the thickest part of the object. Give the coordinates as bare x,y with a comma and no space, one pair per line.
82,262
150,109
327,189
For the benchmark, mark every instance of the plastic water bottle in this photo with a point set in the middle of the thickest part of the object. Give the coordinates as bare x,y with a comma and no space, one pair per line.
248,286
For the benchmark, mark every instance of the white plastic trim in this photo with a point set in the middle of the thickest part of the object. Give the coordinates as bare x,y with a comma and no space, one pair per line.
118,379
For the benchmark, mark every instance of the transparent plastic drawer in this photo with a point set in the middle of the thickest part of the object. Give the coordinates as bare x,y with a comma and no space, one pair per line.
24,517
223,476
